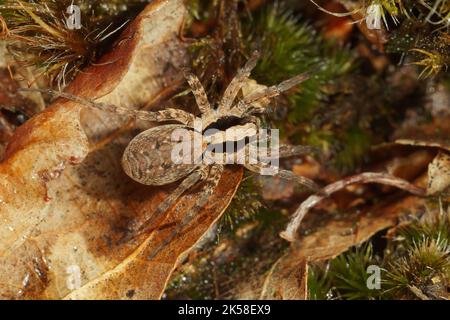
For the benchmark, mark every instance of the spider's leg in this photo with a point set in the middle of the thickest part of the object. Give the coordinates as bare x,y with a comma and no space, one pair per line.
276,90
168,114
211,183
198,91
237,83
257,162
286,174
286,151
137,227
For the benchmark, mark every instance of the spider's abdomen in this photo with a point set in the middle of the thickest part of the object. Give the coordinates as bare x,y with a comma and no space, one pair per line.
148,158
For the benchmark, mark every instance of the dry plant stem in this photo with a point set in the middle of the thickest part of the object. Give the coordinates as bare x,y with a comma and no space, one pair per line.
290,234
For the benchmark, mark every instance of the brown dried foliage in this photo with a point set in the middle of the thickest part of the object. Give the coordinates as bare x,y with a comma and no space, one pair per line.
64,199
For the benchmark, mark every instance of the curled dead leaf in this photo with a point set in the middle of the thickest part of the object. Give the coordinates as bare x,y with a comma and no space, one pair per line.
435,134
288,277
336,236
64,199
287,280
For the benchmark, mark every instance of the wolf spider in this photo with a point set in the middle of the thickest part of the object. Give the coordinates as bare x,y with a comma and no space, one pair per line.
147,158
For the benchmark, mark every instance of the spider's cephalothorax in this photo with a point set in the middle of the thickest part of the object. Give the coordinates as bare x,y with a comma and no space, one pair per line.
148,157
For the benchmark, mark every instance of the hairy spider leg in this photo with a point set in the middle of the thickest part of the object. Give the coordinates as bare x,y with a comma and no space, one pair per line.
198,91
285,174
139,226
276,90
212,181
236,84
168,114
284,151
260,162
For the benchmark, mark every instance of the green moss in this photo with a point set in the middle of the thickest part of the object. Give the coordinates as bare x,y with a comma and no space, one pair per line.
345,276
418,264
355,146
435,225
289,48
415,264
423,272
245,204
319,284
37,33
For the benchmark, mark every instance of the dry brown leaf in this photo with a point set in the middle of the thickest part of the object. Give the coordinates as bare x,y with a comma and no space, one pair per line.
410,166
287,280
64,203
435,134
337,235
333,237
288,277
432,143
14,106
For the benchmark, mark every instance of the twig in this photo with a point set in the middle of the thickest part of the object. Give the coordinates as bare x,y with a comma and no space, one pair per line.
369,177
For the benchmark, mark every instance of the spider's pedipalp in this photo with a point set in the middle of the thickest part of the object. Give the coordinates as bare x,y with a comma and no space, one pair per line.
198,91
168,114
237,83
287,151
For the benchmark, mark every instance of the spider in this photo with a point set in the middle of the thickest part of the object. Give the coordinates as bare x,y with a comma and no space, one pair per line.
147,158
